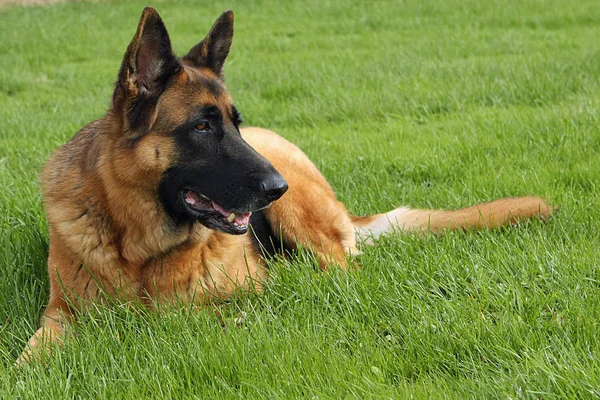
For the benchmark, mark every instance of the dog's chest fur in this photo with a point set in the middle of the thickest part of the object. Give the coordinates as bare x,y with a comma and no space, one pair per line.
198,271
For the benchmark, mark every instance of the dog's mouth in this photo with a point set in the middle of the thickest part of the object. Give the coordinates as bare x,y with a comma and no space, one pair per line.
212,215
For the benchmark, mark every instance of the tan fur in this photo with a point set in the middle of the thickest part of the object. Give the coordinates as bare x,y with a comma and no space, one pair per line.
485,215
110,237
309,213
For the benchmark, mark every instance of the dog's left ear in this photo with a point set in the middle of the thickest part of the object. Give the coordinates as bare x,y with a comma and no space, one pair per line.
213,50
148,65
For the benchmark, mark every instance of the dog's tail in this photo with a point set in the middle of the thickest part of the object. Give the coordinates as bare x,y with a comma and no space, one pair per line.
490,215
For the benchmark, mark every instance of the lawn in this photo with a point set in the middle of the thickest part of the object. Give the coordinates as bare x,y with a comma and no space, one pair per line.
437,104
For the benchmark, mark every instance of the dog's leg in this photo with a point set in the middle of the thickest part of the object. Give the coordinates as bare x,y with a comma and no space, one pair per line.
63,271
51,331
310,215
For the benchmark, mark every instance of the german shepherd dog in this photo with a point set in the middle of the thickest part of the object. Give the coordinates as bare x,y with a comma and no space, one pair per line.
166,198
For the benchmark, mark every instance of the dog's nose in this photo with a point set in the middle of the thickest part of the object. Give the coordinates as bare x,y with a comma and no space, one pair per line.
274,187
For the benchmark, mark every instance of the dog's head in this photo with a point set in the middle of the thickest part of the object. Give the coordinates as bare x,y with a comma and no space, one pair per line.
179,127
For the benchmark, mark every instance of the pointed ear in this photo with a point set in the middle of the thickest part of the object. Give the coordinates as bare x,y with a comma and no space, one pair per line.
148,64
213,50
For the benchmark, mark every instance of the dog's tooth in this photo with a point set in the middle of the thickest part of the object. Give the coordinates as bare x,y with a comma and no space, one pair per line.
231,217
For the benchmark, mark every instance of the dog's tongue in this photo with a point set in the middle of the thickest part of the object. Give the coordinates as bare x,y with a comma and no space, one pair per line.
191,198
239,219
220,209
243,219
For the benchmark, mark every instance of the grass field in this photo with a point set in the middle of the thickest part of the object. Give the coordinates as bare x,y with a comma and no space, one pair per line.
425,103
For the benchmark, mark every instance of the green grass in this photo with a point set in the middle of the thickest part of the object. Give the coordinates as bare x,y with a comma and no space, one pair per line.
423,103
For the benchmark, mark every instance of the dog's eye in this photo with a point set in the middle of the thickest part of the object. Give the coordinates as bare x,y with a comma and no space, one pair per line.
203,127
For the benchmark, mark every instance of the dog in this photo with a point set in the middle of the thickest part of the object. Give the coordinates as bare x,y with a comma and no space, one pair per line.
166,198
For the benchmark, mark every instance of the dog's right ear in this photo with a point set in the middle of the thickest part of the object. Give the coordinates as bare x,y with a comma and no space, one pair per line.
148,65
212,51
